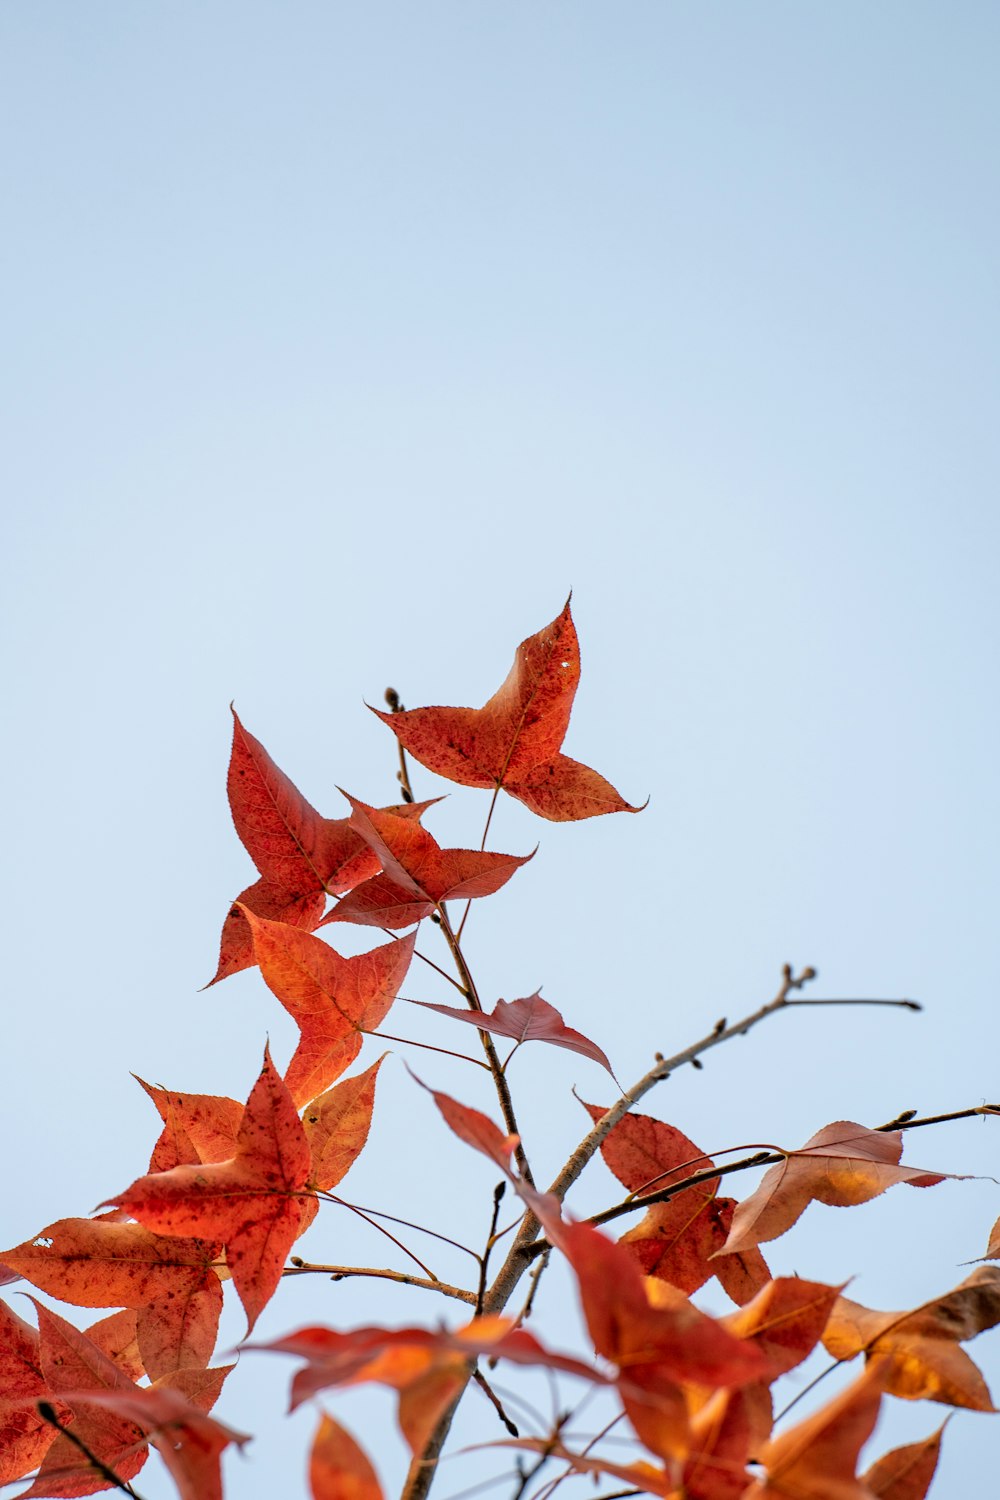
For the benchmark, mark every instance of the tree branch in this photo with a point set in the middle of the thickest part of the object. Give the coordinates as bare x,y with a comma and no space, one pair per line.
301,1267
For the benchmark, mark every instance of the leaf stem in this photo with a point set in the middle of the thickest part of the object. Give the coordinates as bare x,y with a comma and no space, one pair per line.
380,1213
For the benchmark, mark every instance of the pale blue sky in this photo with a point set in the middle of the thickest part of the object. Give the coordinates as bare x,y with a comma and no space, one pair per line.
339,343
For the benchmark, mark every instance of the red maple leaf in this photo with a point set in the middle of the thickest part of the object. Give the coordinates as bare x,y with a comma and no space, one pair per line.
254,1202
302,857
417,874
513,742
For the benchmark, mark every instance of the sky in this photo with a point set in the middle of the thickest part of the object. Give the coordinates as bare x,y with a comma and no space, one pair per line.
340,344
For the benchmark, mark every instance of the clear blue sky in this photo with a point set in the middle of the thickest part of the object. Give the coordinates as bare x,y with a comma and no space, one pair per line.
339,343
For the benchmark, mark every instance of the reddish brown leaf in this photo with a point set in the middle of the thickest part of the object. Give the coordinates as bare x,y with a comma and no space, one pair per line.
529,1020
417,873
170,1282
842,1164
337,1124
474,1128
905,1473
785,1320
338,1468
677,1240
332,1000
916,1354
817,1459
253,1202
514,741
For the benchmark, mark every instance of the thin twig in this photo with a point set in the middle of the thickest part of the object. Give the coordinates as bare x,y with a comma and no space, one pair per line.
484,1259
408,1041
380,1213
484,1385
499,1081
403,774
48,1414
301,1267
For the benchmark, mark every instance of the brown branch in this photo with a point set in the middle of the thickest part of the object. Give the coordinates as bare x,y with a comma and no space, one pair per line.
498,1407
301,1267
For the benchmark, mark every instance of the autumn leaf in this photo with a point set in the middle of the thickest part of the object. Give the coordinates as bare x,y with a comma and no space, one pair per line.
905,1473
396,1356
24,1435
338,1468
726,1433
818,1458
473,1127
301,857
842,1164
171,1283
417,874
656,1348
196,1127
169,1416
73,1367
677,1240
332,1000
916,1354
337,1124
514,741
530,1020
253,1202
785,1320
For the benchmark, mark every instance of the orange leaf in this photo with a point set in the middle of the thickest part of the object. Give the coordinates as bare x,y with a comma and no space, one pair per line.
417,873
338,1468
332,1000
253,1202
196,1127
915,1354
905,1473
842,1164
337,1124
514,741
785,1320
170,1282
817,1459
725,1434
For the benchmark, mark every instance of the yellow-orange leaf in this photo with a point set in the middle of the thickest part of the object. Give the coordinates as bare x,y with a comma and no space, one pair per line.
916,1354
338,1467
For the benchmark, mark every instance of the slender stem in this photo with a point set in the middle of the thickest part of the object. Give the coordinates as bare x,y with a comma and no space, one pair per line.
484,1385
807,1388
904,1004
499,1081
48,1414
301,1267
403,774
362,1214
380,1213
484,1259
409,1042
